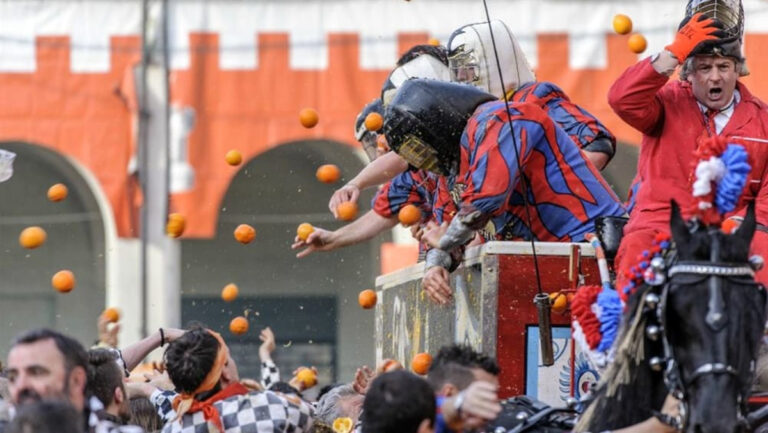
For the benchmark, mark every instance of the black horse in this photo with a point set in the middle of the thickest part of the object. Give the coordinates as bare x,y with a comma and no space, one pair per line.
695,335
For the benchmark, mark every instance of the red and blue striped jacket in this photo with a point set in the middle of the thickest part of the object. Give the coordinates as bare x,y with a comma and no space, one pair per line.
566,192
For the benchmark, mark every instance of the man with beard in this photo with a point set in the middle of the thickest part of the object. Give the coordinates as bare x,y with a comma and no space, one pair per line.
105,382
46,365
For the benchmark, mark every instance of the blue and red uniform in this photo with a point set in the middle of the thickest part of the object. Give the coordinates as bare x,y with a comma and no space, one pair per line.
583,128
566,192
416,187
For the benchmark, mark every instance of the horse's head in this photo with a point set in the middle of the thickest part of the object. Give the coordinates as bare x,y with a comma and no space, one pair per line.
713,322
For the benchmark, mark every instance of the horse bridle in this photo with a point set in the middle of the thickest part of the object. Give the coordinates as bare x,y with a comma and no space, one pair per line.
716,319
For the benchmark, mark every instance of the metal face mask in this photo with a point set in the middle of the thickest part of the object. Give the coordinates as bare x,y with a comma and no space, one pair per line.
465,67
472,58
420,154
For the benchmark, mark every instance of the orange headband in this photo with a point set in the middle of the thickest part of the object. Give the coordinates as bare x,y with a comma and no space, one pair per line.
183,401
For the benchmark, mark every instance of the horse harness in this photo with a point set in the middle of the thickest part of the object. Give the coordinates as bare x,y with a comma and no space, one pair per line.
667,272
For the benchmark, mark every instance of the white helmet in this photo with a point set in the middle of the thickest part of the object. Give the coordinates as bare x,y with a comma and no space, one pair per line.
472,59
421,61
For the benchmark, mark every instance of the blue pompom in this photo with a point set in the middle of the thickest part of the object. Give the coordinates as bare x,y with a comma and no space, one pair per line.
610,317
737,170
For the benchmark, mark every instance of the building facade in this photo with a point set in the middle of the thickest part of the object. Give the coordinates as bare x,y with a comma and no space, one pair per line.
134,110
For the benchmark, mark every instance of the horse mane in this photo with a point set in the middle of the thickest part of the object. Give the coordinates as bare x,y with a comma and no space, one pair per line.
628,391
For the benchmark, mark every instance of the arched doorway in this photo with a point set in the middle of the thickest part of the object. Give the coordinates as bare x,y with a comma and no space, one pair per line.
311,303
76,241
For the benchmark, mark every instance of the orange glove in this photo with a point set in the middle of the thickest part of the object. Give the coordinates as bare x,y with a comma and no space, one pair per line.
698,29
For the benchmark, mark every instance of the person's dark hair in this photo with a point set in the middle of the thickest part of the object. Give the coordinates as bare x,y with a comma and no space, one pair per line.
285,388
144,415
437,51
397,402
453,364
74,353
104,375
48,416
324,390
190,357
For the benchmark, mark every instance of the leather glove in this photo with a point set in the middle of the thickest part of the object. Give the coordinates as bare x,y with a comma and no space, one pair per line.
693,31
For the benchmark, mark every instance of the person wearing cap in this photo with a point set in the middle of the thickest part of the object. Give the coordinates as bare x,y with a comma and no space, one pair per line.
707,101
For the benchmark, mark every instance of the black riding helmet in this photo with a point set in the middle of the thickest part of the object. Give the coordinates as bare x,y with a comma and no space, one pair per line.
362,134
425,120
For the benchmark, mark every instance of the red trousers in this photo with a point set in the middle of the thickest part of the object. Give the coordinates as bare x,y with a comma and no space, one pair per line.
634,243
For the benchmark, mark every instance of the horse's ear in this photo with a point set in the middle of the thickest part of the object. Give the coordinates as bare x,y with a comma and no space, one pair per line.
677,226
747,228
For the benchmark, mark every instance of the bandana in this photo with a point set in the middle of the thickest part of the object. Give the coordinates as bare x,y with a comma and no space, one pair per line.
186,403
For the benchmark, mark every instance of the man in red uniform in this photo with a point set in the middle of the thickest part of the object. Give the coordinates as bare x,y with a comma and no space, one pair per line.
707,101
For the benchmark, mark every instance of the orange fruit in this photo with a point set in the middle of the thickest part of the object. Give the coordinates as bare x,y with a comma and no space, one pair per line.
57,192
729,226
374,122
112,314
32,237
569,297
347,211
175,225
63,281
433,41
245,233
622,24
559,302
367,299
307,377
233,157
409,215
328,173
637,43
304,230
390,365
238,325
308,117
229,292
342,425
421,362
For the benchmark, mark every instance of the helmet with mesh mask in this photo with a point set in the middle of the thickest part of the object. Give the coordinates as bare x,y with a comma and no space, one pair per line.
425,120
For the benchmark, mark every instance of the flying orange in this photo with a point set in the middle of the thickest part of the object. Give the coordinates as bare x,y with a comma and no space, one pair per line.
57,192
245,234
229,292
175,225
421,362
32,237
367,299
622,24
374,122
308,117
238,325
63,281
637,43
328,173
233,157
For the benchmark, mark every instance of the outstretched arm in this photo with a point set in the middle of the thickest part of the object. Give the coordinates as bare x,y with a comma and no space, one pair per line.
379,171
362,229
133,354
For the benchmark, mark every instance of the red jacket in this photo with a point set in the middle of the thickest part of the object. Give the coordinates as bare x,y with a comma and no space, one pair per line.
669,118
